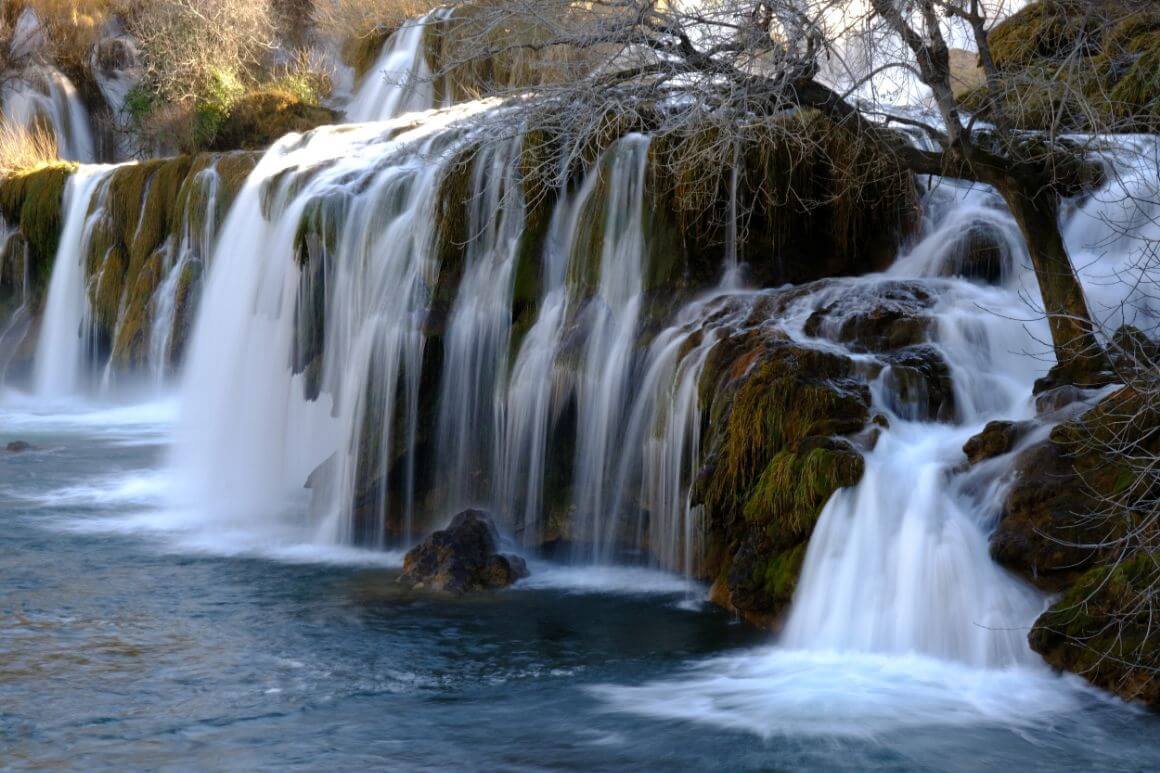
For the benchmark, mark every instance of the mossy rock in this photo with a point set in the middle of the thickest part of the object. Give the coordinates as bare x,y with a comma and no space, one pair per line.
1063,514
812,199
260,118
1080,65
33,202
1103,628
777,413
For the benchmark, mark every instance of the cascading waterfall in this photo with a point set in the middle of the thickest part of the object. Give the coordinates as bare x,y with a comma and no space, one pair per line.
373,286
606,371
400,80
60,354
194,244
900,563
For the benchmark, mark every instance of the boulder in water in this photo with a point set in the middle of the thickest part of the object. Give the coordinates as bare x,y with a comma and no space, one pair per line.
996,439
18,447
463,558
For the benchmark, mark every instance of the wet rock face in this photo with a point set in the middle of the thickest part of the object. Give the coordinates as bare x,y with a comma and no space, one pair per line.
918,384
980,255
463,558
1053,527
996,439
874,317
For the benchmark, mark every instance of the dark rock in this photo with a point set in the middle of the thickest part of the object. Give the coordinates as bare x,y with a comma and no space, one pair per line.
1132,351
981,254
1047,531
18,446
996,439
919,384
1058,398
877,317
1102,629
463,558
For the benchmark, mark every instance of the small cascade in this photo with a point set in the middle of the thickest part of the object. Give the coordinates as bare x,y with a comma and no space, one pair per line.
180,267
42,95
400,80
64,333
899,564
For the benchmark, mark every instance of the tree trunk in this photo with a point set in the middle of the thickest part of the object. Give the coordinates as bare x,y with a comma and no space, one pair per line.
1080,356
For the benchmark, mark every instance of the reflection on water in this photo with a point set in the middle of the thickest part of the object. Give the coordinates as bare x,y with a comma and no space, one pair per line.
131,639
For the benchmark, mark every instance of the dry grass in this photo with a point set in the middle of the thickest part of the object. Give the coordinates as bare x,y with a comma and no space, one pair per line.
72,26
23,149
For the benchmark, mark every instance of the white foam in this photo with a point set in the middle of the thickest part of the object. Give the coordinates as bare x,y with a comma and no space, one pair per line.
778,692
626,580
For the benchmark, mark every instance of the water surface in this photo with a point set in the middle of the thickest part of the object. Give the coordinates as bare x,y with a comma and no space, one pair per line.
130,638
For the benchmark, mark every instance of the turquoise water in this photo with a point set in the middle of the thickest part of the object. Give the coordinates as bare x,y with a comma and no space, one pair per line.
130,638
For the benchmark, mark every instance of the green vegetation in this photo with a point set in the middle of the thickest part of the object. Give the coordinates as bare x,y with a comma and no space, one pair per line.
33,202
1103,628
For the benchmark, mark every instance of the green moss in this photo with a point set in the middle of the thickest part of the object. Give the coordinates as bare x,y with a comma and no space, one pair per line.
786,398
795,486
779,579
259,118
1102,628
1078,64
33,201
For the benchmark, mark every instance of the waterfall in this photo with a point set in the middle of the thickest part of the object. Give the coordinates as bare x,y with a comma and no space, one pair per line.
399,81
478,336
42,93
350,311
196,240
60,351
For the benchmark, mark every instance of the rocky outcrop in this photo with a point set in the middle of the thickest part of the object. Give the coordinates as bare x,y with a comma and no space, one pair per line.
1083,65
463,558
786,430
996,439
1047,531
1080,518
1103,629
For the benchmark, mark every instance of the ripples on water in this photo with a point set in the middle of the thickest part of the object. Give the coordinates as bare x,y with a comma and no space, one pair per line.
132,638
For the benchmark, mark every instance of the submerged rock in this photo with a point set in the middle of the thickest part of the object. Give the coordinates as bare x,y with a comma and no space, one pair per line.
18,447
463,558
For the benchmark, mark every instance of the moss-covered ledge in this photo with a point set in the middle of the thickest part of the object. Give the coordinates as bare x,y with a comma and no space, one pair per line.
31,203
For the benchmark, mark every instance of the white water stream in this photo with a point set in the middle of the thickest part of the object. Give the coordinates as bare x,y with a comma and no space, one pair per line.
60,354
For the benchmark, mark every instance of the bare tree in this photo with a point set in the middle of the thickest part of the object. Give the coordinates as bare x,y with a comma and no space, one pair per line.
737,62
